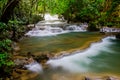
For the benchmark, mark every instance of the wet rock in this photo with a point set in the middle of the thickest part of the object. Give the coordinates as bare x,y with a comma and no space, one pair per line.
109,78
31,26
117,36
20,61
20,74
41,58
15,47
86,78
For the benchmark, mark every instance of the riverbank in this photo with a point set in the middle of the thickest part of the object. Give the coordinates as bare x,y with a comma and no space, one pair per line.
27,75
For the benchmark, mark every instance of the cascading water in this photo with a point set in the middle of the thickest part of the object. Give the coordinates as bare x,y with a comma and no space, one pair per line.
50,17
75,28
45,31
44,28
34,66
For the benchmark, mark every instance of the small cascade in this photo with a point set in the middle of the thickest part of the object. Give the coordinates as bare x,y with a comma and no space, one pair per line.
76,28
35,67
45,31
54,26
50,31
50,17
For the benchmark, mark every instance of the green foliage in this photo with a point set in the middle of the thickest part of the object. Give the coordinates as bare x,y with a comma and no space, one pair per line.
92,27
5,44
16,30
59,6
35,18
104,12
101,12
4,60
3,31
5,49
2,4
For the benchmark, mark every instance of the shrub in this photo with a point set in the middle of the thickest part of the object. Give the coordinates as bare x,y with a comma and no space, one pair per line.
92,27
5,52
35,19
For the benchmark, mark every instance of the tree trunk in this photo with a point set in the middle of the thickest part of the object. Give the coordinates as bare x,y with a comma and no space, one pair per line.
8,10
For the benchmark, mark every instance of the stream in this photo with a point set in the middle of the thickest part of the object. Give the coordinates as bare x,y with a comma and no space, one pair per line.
100,57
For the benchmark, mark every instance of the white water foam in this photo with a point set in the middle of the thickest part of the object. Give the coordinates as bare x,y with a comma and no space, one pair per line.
35,67
50,17
42,28
75,28
47,31
51,31
79,62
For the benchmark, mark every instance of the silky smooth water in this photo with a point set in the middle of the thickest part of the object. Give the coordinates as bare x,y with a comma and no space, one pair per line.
100,57
58,43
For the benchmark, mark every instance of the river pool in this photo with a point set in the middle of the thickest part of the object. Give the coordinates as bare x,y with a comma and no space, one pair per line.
100,57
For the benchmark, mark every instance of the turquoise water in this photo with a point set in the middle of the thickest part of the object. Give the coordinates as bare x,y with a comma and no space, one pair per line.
108,59
103,57
53,44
